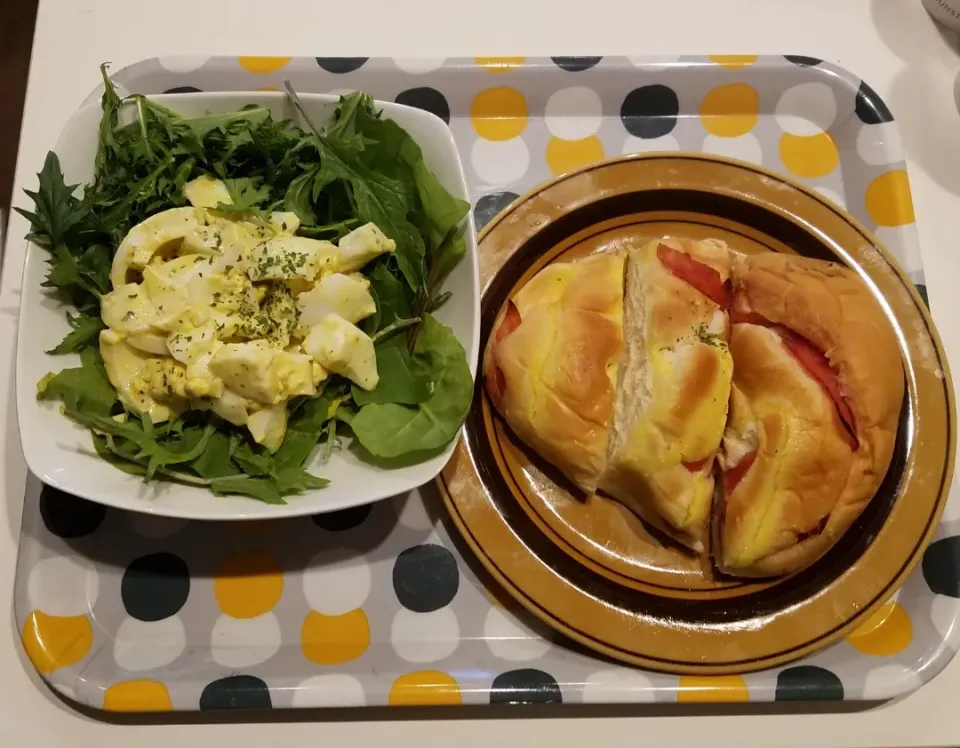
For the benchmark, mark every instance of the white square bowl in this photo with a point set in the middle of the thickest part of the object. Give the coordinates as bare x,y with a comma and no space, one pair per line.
61,453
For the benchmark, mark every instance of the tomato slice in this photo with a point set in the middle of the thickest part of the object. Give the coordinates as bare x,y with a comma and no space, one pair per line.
496,385
734,475
813,361
511,321
496,382
818,367
696,467
702,277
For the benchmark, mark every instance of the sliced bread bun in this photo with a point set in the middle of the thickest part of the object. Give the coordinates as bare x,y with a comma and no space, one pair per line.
674,385
818,387
550,365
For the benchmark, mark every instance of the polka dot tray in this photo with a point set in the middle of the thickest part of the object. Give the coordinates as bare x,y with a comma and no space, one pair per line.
381,605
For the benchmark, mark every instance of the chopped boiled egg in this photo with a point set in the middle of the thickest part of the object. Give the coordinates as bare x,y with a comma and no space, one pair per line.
268,426
362,245
125,367
231,407
150,237
347,296
285,222
294,371
245,368
291,257
128,309
235,314
206,192
343,348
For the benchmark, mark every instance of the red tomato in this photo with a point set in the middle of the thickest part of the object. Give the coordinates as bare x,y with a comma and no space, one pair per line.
496,383
819,368
510,322
735,474
702,277
813,361
696,467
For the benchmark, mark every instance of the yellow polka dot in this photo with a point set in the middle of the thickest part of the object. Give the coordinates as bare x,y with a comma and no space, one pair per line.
248,584
707,688
884,633
425,688
888,199
733,62
567,155
499,64
809,156
137,696
53,642
499,113
331,640
730,111
263,64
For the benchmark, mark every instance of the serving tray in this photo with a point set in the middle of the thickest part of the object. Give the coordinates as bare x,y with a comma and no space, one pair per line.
382,605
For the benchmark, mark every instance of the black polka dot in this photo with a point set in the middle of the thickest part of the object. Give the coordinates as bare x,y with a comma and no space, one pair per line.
428,99
425,578
69,516
922,290
345,519
650,111
802,61
183,89
808,683
341,65
236,692
575,64
870,108
941,566
489,205
526,686
155,587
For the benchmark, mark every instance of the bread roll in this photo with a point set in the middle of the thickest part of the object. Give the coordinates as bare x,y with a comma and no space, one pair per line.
550,365
674,385
818,387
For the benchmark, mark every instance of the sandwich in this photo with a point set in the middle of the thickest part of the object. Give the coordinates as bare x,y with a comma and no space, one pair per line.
615,369
674,385
552,359
817,390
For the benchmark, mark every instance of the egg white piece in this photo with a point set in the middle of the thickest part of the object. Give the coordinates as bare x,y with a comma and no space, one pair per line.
347,296
343,348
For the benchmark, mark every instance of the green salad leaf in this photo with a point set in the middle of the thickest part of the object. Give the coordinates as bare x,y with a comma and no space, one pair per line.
83,389
393,429
356,168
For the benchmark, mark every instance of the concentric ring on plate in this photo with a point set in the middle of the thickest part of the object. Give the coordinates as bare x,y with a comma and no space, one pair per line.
588,567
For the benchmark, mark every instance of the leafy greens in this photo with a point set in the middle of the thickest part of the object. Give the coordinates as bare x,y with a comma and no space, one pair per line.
359,168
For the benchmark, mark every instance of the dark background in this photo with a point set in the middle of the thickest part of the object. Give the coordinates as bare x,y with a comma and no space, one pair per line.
17,20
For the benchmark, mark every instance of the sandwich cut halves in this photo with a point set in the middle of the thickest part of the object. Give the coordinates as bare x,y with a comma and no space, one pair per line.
644,374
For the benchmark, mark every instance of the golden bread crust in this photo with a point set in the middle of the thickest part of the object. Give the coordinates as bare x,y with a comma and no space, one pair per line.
559,366
673,396
816,481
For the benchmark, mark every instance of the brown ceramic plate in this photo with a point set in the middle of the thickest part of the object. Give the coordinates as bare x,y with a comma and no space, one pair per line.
590,568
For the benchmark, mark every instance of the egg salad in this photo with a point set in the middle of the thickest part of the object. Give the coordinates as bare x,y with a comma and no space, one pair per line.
235,314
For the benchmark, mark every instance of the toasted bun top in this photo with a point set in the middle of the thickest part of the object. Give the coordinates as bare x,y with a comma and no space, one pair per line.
553,376
809,489
672,401
802,454
830,306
